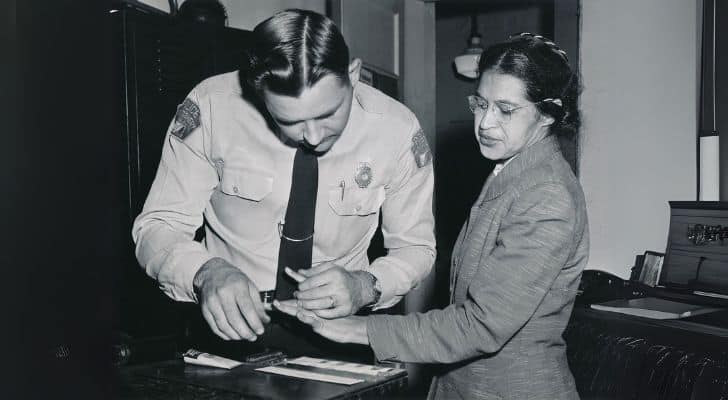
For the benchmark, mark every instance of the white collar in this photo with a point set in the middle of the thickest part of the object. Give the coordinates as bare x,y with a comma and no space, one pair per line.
499,167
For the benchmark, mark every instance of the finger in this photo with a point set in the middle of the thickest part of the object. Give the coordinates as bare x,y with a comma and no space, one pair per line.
213,325
317,304
218,315
258,304
246,307
319,292
286,307
332,313
295,275
308,272
306,316
311,319
290,302
318,327
320,279
235,320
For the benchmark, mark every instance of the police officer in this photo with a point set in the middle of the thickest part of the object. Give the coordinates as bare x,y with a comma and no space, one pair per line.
228,164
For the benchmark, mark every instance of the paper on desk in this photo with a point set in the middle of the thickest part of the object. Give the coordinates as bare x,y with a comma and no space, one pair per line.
355,368
297,373
655,308
197,357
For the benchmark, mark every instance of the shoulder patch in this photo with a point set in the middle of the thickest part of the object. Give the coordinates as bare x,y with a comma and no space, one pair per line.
186,119
420,149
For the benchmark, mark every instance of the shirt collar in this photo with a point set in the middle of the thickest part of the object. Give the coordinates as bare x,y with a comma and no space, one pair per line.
499,167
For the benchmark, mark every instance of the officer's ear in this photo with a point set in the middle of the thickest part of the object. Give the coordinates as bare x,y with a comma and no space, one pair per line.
354,70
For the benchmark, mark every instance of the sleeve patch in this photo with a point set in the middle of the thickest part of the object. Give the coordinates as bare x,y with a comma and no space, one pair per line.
186,119
420,149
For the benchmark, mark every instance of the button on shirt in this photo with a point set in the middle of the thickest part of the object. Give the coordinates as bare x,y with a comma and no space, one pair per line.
234,172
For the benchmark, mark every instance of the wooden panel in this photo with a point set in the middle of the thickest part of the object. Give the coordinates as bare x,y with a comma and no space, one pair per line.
691,262
371,30
160,61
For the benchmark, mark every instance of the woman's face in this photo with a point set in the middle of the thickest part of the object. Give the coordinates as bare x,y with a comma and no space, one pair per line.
505,121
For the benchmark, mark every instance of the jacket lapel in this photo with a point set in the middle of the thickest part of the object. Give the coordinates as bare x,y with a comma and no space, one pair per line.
472,244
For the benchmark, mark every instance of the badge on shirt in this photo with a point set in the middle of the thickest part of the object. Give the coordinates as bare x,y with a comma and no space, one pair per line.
363,176
186,119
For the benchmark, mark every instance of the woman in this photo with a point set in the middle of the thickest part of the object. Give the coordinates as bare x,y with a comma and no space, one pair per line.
517,262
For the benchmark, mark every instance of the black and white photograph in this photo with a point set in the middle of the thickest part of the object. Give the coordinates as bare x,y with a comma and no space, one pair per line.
366,199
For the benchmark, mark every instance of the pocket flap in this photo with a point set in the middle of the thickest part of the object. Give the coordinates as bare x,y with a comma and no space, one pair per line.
247,184
356,201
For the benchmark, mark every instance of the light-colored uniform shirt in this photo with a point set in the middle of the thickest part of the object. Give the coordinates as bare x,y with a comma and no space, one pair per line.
232,169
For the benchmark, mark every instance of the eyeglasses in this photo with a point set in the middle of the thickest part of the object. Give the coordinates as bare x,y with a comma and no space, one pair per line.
503,112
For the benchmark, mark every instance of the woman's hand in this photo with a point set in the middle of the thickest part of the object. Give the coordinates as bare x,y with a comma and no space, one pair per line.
351,329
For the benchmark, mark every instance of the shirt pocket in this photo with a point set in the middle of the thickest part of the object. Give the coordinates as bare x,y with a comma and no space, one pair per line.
246,184
345,227
243,206
356,201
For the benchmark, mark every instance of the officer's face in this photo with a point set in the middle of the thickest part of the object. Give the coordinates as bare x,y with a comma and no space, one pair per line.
317,117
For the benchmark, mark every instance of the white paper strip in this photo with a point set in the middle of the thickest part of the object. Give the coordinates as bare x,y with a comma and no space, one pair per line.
196,357
364,369
709,168
297,373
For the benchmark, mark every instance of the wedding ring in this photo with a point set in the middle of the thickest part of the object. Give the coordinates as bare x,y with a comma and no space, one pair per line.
333,301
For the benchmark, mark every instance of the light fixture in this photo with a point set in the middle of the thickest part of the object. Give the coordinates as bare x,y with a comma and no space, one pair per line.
466,64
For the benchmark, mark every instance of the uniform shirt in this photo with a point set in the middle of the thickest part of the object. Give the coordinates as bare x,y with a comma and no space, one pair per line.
221,161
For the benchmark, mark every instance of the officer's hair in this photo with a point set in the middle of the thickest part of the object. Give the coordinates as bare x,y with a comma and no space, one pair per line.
544,69
294,49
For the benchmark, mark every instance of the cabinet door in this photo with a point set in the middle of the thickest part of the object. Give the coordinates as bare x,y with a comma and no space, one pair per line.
164,60
160,61
372,31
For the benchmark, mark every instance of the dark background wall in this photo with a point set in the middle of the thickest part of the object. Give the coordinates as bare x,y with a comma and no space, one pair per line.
58,203
460,169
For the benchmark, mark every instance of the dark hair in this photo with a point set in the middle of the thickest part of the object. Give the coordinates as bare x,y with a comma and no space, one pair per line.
207,11
544,69
294,49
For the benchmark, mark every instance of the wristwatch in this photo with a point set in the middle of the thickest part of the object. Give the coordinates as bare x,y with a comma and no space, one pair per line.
377,286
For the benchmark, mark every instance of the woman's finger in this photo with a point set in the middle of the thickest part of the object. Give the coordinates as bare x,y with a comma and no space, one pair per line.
318,304
287,307
308,317
331,313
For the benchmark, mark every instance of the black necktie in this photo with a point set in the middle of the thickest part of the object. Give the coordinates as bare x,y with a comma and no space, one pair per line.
297,230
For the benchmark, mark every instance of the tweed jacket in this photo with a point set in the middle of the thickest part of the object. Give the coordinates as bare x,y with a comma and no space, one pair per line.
515,271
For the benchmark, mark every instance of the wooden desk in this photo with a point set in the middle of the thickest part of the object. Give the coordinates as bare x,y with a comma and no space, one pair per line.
175,380
618,356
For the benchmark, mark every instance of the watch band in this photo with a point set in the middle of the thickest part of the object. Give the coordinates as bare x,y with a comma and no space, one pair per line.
377,288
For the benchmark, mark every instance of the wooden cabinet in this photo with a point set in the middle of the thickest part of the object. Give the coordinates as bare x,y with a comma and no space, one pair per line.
617,356
372,31
160,59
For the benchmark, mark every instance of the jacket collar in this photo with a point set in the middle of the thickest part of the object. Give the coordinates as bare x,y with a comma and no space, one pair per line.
535,154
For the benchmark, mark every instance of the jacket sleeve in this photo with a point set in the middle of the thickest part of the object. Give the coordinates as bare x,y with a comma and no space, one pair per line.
532,246
408,224
173,211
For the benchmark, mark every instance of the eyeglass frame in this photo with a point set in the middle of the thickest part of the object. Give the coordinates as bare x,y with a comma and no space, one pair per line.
482,107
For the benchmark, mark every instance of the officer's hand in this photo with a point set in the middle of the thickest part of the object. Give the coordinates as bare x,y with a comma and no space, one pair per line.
343,330
330,291
230,301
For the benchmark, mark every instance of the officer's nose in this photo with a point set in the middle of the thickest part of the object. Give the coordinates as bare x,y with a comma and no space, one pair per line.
312,134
